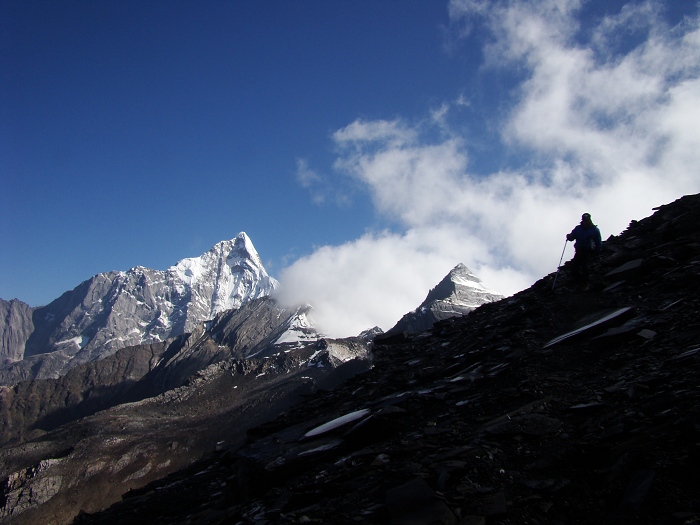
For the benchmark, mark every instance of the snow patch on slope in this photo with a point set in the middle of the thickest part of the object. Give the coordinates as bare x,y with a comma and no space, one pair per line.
300,329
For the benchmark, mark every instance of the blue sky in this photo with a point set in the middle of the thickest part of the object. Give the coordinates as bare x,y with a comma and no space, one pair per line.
365,146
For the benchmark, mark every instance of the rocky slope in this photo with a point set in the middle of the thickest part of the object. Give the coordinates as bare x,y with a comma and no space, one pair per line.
554,406
114,310
260,329
81,440
457,294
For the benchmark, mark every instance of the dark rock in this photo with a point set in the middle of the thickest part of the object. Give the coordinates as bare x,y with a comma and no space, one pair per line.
627,270
495,505
594,322
532,424
637,489
415,503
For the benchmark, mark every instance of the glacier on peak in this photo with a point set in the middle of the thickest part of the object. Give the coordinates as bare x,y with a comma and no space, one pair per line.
463,276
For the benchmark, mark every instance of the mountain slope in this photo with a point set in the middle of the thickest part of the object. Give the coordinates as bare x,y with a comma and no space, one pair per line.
81,440
552,406
459,292
137,372
114,310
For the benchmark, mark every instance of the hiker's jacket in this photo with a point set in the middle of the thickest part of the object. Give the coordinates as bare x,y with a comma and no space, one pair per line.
587,239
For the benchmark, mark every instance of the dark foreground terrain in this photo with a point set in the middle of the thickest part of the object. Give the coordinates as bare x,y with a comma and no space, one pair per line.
556,406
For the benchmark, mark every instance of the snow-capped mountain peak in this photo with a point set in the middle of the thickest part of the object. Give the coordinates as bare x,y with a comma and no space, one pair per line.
463,276
113,310
459,292
460,286
242,251
229,274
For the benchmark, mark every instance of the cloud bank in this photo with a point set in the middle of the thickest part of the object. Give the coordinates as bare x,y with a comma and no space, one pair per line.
604,119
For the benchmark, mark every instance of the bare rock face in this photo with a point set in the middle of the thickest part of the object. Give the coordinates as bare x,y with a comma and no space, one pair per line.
457,294
22,494
34,406
114,310
15,328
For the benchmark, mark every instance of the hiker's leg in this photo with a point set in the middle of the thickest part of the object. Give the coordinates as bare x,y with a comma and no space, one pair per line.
576,266
584,270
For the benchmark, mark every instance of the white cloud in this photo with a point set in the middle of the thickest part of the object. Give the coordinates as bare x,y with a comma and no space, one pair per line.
319,188
310,180
305,175
362,132
610,133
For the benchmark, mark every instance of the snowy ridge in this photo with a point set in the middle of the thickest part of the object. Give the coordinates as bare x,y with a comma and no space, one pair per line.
227,276
469,280
461,287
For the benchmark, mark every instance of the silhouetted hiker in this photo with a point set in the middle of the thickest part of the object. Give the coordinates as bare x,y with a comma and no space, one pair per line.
588,242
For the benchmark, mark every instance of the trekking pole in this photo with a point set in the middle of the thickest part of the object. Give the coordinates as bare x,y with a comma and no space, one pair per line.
560,260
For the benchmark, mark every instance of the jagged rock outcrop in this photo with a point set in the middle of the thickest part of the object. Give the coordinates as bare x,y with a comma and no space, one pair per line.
556,405
19,497
114,310
459,292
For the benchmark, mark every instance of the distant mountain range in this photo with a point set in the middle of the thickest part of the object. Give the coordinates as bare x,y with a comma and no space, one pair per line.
118,309
542,408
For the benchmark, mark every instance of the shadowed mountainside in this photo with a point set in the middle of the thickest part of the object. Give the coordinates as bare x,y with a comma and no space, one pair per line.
553,406
82,440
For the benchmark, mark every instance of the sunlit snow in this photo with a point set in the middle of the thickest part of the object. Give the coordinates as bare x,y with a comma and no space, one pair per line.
300,330
79,341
